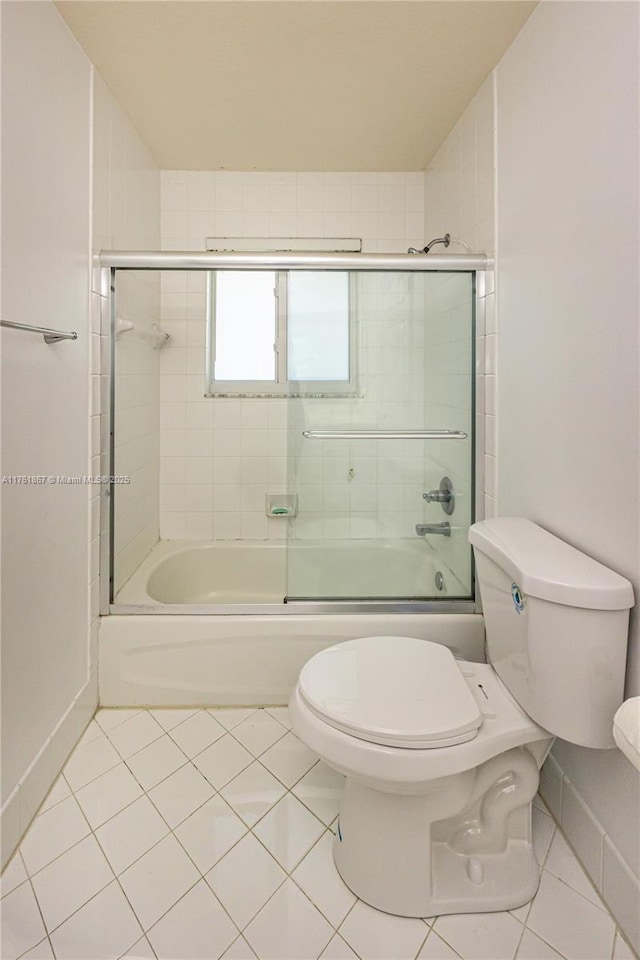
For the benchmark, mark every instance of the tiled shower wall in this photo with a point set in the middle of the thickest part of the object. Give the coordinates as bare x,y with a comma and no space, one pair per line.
218,458
459,199
448,404
126,216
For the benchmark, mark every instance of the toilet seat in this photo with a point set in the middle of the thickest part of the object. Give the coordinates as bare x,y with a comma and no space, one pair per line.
504,725
392,691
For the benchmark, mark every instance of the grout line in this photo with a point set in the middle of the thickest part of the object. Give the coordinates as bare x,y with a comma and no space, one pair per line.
46,929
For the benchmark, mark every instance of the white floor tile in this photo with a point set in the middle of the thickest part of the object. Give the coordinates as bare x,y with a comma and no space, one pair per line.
59,791
110,717
228,879
181,794
103,929
230,717
106,796
92,731
42,951
288,927
436,949
338,949
253,792
543,829
53,832
321,790
91,761
533,948
621,949
22,926
135,734
289,831
562,863
281,714
239,950
169,718
140,951
131,833
570,923
210,832
223,761
319,879
521,913
156,762
155,882
70,881
197,733
196,928
288,759
258,732
481,936
379,936
13,875
88,915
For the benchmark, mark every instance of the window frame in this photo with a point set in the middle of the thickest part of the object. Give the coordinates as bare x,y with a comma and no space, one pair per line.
281,387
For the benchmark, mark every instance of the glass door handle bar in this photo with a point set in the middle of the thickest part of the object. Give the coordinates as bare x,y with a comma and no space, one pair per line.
50,336
384,434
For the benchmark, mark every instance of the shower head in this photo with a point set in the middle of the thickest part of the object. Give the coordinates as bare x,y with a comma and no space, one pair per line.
446,240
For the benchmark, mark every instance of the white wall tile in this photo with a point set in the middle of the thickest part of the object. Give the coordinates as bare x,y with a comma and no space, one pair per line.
237,449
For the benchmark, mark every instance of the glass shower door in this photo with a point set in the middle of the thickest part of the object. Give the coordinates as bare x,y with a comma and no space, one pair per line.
360,465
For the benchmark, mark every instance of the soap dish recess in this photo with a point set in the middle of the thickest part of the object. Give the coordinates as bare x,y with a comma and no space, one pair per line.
281,505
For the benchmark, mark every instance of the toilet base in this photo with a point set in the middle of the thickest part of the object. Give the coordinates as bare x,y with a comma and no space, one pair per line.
462,847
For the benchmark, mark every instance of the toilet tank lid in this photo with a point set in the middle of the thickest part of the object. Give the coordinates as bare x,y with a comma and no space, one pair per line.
546,567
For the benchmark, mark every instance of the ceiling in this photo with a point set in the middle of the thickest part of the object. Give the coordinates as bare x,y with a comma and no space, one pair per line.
294,84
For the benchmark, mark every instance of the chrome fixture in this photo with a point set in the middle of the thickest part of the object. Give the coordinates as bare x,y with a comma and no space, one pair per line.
445,241
439,580
434,529
194,260
444,495
384,435
50,336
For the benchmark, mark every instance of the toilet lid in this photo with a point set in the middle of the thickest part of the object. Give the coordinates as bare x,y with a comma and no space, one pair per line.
396,691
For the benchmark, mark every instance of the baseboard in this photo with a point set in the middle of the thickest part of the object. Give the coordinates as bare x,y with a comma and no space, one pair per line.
611,875
23,803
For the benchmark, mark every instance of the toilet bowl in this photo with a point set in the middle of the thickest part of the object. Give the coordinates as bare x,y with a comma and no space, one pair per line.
441,766
442,756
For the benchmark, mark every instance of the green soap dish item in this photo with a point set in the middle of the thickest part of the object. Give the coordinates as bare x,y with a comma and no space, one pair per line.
279,511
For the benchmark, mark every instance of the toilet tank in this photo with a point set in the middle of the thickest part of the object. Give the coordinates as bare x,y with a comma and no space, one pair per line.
556,623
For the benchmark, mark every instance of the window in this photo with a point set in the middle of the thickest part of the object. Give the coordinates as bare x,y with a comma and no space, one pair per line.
280,333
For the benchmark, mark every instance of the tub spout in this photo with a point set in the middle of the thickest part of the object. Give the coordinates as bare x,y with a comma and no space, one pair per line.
434,529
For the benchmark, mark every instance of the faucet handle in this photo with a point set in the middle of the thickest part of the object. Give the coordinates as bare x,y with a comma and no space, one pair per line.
444,495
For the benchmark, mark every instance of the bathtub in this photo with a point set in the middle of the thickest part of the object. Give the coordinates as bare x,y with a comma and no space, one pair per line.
205,640
244,571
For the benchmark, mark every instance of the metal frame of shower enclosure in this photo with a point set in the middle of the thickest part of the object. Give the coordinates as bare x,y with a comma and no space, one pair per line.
108,262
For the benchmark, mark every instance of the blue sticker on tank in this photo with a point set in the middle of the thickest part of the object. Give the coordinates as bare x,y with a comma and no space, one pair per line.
517,597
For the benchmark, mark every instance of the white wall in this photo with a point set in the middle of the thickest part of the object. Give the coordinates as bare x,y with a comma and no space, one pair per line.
48,694
73,167
126,216
568,449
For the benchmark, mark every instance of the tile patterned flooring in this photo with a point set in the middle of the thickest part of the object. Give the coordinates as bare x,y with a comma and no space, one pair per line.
206,834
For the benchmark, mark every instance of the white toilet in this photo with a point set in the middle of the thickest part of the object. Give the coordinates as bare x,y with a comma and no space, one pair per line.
442,756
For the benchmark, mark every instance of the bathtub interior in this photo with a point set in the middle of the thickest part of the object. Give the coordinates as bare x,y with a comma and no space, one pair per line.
236,572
